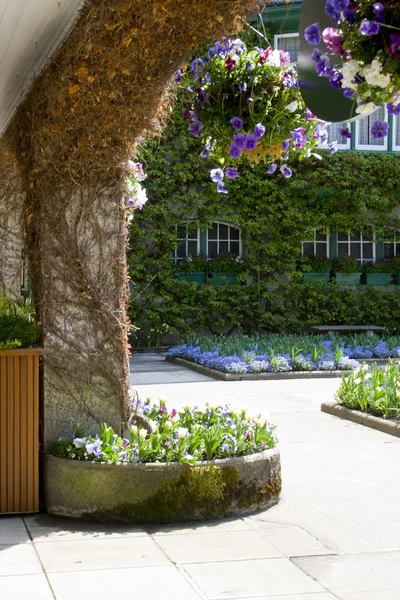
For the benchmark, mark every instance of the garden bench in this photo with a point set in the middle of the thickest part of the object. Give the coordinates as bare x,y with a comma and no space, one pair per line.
369,329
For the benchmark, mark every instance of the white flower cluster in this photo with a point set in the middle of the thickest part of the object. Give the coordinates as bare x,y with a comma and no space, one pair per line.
372,74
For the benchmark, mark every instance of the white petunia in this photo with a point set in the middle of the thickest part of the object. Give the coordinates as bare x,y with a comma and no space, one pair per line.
366,109
274,59
142,433
292,107
182,432
79,442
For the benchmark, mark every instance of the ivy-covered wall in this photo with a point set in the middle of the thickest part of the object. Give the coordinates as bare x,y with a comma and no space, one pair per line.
345,192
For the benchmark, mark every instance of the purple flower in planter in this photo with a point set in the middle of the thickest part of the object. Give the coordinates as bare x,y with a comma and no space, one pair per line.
251,142
272,168
207,78
369,28
202,96
196,128
205,153
240,140
323,67
336,79
231,172
216,175
285,145
316,55
300,139
286,172
249,66
221,189
333,14
243,86
333,147
350,15
340,5
234,151
392,109
346,134
394,47
259,131
312,34
380,129
348,93
178,76
379,12
236,123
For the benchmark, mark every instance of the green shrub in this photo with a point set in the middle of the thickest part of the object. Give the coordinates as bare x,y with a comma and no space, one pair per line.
17,331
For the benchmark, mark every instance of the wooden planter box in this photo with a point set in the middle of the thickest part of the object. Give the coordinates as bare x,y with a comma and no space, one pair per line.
348,278
224,278
377,278
198,277
315,277
19,430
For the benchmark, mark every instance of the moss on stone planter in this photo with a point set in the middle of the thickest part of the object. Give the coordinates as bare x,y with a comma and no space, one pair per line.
159,495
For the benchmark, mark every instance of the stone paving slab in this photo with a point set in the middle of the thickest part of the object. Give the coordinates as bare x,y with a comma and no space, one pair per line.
29,587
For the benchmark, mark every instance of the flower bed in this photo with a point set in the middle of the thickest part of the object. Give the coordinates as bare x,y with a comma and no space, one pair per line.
376,391
277,354
196,464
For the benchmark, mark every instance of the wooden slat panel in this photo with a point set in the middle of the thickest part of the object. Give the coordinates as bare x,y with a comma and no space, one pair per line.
24,435
3,434
29,440
19,431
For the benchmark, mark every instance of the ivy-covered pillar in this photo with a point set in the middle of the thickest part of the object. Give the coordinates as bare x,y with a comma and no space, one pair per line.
107,86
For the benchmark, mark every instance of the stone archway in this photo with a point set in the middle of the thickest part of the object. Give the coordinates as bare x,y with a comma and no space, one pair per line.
104,88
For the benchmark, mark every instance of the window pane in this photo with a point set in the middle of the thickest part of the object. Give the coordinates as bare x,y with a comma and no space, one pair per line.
364,128
223,232
212,249
213,232
343,250
334,135
289,44
308,248
321,249
342,237
355,250
388,250
234,233
320,237
223,247
235,248
181,252
192,248
396,123
192,235
355,237
397,249
181,231
368,251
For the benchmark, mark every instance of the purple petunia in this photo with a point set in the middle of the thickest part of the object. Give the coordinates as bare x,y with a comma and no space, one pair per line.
231,172
286,172
234,151
333,14
350,15
392,109
236,123
251,142
346,133
216,175
336,79
312,34
394,47
221,189
333,147
369,28
272,168
316,55
300,139
379,12
340,5
205,153
196,128
348,93
243,86
240,140
285,145
259,130
322,66
380,129
178,76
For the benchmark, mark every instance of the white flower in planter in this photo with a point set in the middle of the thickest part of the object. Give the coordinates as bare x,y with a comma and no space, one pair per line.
79,442
182,433
142,433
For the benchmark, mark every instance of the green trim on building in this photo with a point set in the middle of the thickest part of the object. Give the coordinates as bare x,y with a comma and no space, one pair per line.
282,19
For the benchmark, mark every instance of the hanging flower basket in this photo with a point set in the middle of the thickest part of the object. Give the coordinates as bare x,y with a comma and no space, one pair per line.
246,103
362,52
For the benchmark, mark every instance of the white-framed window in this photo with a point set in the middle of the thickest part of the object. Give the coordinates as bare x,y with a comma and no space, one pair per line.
221,238
316,245
289,42
334,135
391,245
357,245
188,238
396,133
364,137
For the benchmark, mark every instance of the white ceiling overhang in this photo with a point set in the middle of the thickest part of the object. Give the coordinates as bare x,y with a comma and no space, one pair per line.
30,31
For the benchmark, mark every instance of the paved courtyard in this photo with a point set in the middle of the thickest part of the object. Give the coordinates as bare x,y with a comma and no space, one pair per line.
334,535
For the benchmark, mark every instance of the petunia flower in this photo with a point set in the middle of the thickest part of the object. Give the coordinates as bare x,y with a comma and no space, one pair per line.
272,168
380,129
251,142
231,172
286,172
369,28
221,189
216,175
236,123
259,130
312,34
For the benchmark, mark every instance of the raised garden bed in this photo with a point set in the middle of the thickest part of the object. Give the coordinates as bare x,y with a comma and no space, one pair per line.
356,416
194,465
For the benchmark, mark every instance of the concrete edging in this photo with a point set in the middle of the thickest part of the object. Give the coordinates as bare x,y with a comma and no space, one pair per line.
162,492
253,376
361,418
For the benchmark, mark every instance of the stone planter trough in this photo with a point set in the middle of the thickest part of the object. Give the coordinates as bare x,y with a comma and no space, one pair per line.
162,492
